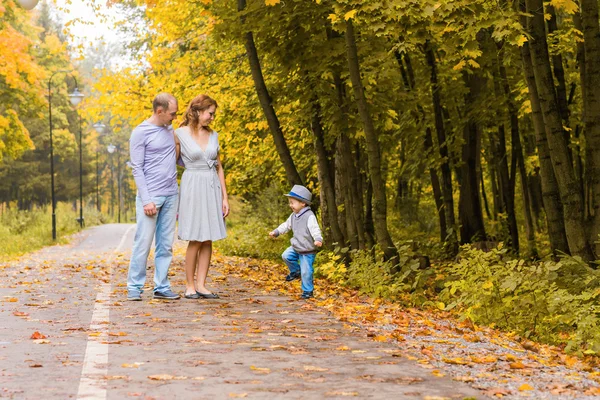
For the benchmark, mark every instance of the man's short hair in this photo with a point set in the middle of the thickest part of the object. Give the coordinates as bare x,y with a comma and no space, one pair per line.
162,100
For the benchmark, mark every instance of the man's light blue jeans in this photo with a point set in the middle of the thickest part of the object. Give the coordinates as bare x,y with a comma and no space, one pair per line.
302,264
161,228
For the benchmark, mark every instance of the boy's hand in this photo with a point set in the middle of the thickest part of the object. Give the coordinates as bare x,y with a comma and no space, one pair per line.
318,244
272,234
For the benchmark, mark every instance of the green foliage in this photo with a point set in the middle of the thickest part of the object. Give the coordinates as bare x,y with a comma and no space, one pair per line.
556,302
376,277
248,228
26,231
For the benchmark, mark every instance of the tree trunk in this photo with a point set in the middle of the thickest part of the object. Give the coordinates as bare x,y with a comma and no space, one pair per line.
428,147
450,234
563,169
264,98
327,186
559,74
352,194
469,204
591,105
550,195
373,152
437,190
517,160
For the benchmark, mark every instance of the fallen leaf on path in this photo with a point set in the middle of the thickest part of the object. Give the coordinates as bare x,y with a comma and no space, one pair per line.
341,394
20,314
166,377
35,365
484,360
134,365
37,335
517,365
115,377
524,387
593,390
238,394
466,379
456,360
260,370
117,334
313,368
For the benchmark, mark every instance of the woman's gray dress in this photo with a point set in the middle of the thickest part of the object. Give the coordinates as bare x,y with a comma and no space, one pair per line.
200,197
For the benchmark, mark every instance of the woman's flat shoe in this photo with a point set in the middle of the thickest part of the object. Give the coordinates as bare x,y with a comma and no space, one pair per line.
207,295
192,296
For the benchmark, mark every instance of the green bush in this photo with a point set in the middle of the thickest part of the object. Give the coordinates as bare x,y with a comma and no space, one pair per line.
556,302
248,228
375,277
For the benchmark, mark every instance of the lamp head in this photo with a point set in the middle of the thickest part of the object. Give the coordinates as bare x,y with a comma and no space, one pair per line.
99,127
76,97
111,148
28,4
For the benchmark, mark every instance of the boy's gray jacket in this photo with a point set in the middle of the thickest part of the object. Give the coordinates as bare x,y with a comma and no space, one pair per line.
306,231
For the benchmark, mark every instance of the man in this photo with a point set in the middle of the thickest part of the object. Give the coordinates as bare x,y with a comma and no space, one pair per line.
152,152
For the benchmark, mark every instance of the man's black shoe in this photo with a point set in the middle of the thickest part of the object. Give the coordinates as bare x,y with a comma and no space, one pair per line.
307,295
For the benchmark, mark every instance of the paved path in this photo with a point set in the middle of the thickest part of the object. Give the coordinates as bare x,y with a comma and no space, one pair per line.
248,344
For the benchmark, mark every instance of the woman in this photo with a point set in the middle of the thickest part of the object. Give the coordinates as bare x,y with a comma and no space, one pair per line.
203,201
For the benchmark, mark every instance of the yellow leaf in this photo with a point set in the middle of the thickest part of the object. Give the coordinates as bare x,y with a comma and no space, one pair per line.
525,387
568,6
134,365
488,285
517,365
459,66
260,370
271,2
350,15
456,360
163,377
313,368
333,18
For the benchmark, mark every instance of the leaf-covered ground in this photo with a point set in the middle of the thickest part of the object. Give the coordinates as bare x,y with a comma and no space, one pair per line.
260,340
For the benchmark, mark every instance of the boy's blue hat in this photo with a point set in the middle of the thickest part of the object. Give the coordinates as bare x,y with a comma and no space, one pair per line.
301,193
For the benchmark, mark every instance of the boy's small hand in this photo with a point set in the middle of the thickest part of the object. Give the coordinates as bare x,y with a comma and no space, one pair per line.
272,234
318,244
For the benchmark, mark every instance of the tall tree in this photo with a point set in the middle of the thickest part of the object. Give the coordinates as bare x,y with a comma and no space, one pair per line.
373,152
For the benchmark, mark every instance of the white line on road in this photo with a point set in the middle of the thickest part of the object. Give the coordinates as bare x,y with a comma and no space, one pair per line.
95,364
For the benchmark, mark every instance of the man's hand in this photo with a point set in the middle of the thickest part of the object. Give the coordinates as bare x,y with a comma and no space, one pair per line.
150,209
272,234
318,244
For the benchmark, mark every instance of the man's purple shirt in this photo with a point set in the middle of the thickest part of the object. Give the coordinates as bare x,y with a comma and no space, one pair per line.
152,153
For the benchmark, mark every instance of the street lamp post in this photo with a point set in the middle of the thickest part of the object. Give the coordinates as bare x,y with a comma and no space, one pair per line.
111,149
75,99
100,128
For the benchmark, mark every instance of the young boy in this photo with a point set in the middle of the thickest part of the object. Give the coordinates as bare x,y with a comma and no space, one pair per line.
300,256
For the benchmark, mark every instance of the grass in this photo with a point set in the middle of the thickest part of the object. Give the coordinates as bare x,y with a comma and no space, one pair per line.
26,231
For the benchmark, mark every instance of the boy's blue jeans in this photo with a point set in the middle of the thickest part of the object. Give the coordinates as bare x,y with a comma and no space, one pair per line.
159,227
300,263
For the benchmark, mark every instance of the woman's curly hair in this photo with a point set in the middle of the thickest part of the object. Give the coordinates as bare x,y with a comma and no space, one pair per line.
196,106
